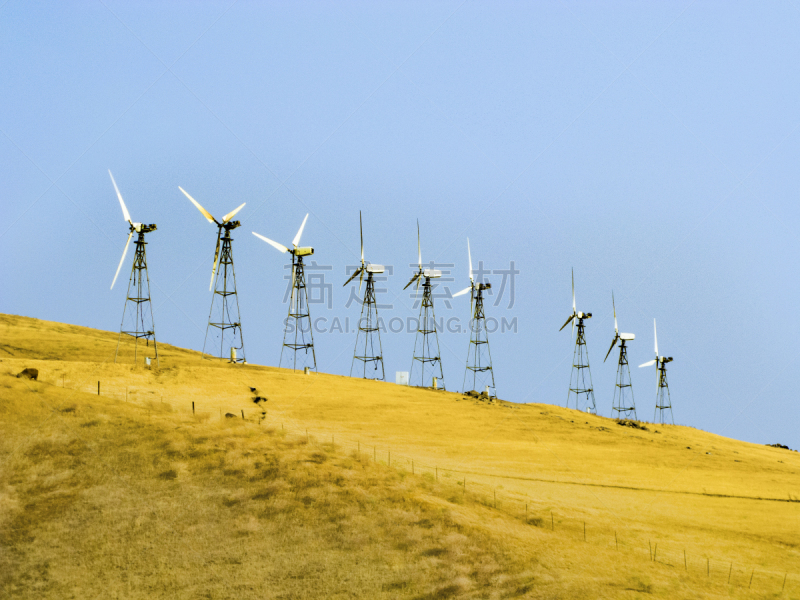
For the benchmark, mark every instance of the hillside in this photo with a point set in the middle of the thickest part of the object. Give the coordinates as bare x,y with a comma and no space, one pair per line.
347,488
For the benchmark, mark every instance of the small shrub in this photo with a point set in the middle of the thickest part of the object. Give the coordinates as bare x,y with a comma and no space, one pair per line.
318,457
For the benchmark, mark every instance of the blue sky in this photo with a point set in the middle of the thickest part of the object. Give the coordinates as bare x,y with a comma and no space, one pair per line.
651,146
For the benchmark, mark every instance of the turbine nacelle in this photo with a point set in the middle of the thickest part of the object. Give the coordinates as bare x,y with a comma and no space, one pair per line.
303,251
142,228
375,268
582,315
431,273
628,337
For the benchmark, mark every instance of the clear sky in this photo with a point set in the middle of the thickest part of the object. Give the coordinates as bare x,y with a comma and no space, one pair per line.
652,146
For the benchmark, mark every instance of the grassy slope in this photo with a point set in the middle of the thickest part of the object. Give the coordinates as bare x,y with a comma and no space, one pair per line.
142,498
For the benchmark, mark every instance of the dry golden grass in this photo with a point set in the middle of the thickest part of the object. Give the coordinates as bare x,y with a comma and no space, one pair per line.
100,497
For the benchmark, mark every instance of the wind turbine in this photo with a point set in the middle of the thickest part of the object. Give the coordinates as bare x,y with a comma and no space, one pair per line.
427,325
478,362
621,405
368,322
580,360
298,303
138,285
663,401
229,323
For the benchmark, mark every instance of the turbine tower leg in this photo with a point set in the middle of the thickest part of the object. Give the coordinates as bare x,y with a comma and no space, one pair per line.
479,358
141,321
424,350
368,326
578,384
663,402
226,330
298,337
623,406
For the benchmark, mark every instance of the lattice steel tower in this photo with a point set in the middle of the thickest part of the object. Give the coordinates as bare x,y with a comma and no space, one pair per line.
426,343
663,401
138,309
368,337
478,373
225,324
578,384
298,335
623,406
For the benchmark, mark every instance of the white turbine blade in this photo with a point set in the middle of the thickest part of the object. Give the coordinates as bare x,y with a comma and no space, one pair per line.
360,280
419,247
416,275
655,337
648,363
216,262
469,254
616,330
573,292
296,239
232,214
275,245
353,276
121,260
462,292
361,232
125,213
206,214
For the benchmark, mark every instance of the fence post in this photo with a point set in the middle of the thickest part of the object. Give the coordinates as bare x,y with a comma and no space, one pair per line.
243,414
751,579
655,552
98,388
730,570
192,407
616,542
685,564
784,583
